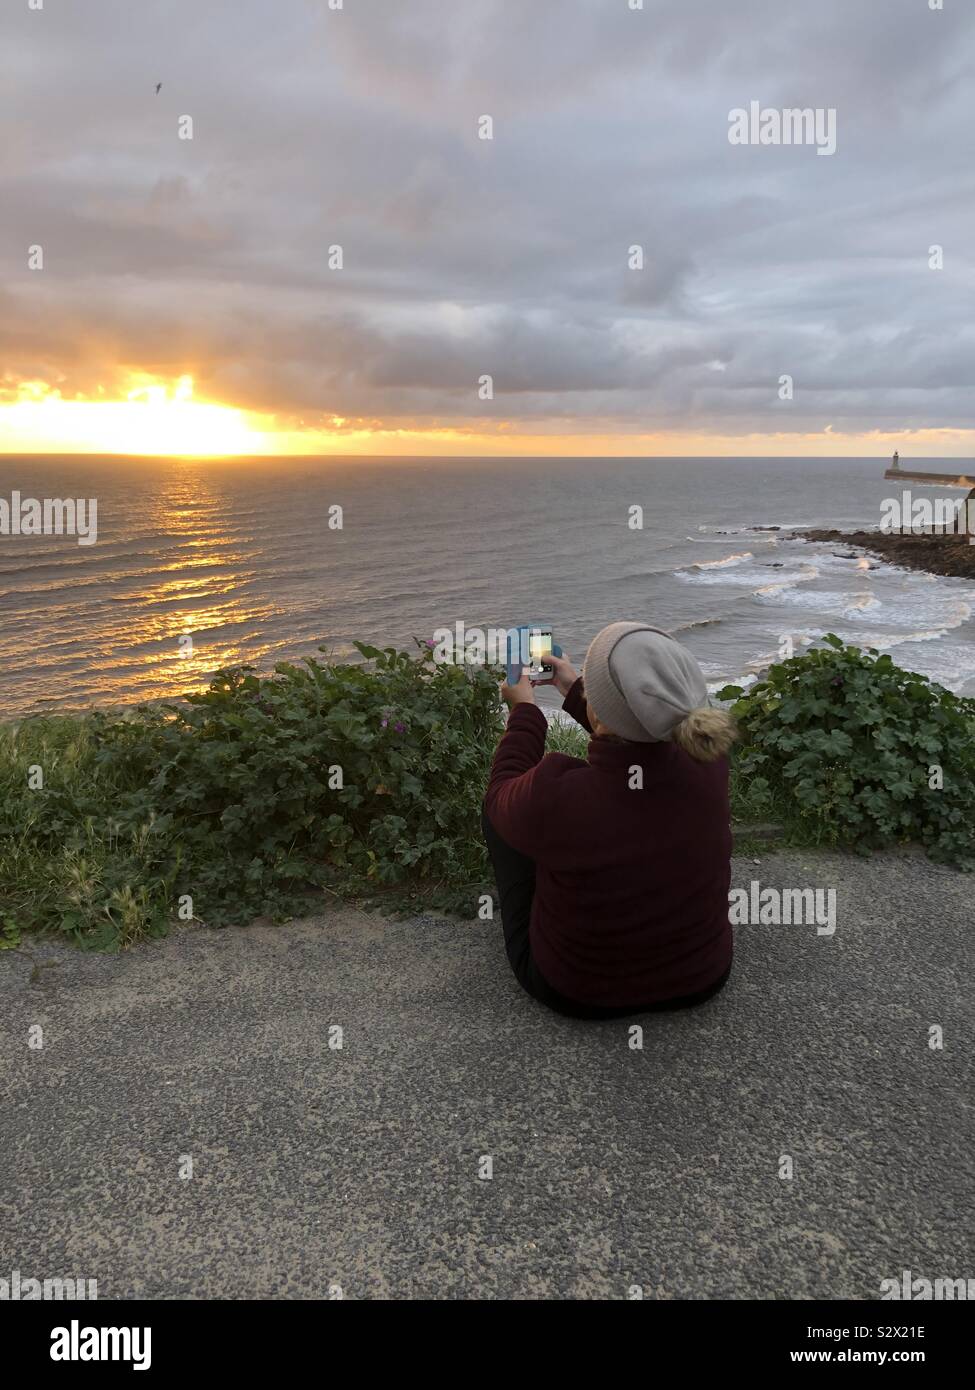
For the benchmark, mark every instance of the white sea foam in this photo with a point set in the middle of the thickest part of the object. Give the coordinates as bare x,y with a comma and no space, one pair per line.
735,570
722,564
951,664
885,640
744,681
787,580
716,539
860,603
696,622
912,612
761,663
912,607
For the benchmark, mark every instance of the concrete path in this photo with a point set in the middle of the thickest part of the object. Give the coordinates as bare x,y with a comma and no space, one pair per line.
357,1167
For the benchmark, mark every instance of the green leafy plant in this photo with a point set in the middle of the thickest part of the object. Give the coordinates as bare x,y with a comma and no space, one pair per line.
365,780
847,747
9,934
238,801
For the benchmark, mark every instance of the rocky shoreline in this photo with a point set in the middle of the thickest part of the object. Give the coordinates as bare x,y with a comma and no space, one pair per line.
945,555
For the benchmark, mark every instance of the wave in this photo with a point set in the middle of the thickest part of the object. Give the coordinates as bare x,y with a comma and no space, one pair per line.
698,622
723,564
948,664
614,580
951,666
765,527
744,681
918,608
720,538
883,640
775,587
860,602
735,570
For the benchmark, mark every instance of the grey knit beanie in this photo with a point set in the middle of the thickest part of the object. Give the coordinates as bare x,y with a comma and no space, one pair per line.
641,682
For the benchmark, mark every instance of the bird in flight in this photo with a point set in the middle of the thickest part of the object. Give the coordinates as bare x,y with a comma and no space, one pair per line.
158,88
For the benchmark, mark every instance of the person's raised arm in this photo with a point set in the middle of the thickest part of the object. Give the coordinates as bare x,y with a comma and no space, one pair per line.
568,683
511,802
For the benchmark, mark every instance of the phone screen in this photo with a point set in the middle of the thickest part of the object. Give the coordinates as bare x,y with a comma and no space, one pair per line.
539,649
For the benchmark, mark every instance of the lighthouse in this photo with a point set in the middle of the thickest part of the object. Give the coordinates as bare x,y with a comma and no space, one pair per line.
896,460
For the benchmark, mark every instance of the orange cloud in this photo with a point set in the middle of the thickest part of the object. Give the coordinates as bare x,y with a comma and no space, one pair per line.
156,418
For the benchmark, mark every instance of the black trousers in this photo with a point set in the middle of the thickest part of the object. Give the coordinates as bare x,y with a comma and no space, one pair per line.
514,874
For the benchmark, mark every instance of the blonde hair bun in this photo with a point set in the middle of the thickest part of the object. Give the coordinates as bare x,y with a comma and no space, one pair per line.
706,734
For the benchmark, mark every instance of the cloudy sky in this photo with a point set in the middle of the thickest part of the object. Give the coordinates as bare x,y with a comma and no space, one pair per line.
166,258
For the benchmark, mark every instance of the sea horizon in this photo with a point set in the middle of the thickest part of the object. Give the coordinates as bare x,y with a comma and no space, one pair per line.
378,457
197,568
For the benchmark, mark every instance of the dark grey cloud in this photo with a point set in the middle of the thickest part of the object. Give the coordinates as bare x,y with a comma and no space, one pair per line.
357,127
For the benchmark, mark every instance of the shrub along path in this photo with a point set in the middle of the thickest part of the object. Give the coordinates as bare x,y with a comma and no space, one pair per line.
358,1167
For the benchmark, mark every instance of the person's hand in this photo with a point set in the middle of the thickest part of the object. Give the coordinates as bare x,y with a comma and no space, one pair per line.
521,693
564,676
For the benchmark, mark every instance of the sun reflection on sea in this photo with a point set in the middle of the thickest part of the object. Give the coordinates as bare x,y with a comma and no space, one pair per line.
195,611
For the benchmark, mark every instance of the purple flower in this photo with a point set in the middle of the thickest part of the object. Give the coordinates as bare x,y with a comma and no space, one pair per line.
383,723
400,728
430,642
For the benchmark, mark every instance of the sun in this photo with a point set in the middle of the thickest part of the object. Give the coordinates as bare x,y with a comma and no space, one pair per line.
152,418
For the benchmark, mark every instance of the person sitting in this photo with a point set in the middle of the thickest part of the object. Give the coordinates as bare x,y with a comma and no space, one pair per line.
613,872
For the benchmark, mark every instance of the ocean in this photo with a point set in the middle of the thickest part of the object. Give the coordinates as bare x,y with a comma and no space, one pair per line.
239,556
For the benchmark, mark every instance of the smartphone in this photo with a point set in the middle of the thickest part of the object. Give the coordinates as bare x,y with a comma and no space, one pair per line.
520,648
539,647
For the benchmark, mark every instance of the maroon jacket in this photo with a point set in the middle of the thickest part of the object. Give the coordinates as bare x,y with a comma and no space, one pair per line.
631,886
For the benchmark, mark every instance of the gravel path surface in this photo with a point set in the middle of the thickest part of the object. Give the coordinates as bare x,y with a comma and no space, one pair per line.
357,1168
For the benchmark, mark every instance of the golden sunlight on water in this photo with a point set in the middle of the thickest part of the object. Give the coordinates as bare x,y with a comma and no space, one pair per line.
167,597
192,614
241,561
